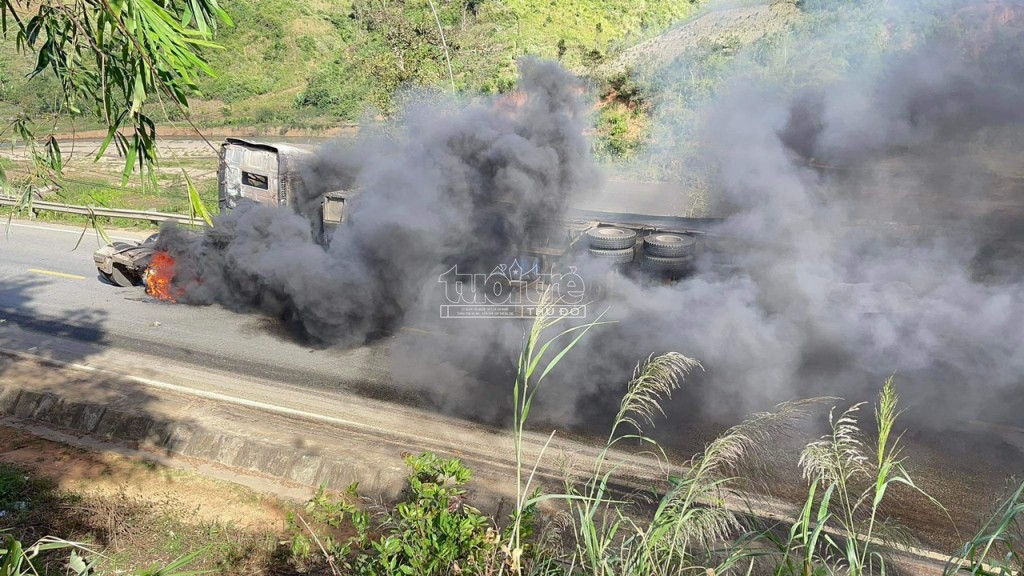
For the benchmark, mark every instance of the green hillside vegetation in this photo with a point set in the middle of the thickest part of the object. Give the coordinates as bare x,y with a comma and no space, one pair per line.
311,64
322,63
654,64
332,59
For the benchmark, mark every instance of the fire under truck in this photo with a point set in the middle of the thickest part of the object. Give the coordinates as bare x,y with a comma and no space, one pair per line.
270,173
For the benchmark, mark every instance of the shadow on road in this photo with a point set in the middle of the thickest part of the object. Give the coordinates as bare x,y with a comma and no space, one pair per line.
39,384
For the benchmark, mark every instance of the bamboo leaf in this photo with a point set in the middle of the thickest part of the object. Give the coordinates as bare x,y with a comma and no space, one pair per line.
56,159
129,162
196,206
82,235
43,58
139,91
106,141
186,16
95,222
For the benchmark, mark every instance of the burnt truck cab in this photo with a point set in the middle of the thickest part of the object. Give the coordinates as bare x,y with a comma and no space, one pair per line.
260,172
267,173
270,173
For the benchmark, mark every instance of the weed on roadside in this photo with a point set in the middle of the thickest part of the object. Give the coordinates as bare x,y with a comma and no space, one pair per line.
432,531
120,533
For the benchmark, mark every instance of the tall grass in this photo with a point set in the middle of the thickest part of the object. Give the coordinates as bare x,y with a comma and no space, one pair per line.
698,521
695,524
527,383
695,512
998,547
854,476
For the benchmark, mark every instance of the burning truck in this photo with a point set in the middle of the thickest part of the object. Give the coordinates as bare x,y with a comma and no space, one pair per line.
248,171
270,174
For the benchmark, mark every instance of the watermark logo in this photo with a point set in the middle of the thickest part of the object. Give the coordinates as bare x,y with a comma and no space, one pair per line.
512,291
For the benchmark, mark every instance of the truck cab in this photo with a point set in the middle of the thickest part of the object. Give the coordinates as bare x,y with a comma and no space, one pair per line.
270,173
257,171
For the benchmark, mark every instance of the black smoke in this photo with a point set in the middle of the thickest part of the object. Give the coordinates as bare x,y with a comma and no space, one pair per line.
874,227
445,184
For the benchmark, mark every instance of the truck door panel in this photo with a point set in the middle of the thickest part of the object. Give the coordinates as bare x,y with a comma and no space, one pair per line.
253,172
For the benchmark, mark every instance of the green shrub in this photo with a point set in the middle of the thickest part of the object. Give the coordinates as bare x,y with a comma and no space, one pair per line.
433,531
622,131
336,88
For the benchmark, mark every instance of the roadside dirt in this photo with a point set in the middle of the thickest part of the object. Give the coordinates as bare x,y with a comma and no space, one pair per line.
966,471
105,474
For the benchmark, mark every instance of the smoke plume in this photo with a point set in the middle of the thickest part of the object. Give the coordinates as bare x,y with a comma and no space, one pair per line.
873,226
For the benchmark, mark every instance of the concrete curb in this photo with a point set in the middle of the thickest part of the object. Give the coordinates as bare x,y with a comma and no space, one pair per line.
109,423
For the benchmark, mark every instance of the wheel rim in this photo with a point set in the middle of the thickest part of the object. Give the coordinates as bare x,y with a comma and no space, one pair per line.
121,279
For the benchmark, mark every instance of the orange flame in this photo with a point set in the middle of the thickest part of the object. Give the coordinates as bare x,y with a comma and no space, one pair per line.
158,277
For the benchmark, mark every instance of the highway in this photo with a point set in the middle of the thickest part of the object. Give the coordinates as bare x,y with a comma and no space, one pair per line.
53,305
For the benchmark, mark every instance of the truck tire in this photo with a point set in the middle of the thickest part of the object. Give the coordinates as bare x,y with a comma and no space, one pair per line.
661,264
665,245
610,238
122,277
613,257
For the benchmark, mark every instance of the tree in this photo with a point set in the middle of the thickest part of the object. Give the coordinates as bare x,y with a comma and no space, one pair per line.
109,58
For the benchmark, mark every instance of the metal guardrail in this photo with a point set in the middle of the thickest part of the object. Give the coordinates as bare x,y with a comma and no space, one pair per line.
105,212
612,217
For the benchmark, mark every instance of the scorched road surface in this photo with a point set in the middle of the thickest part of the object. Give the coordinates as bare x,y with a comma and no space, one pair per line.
53,305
